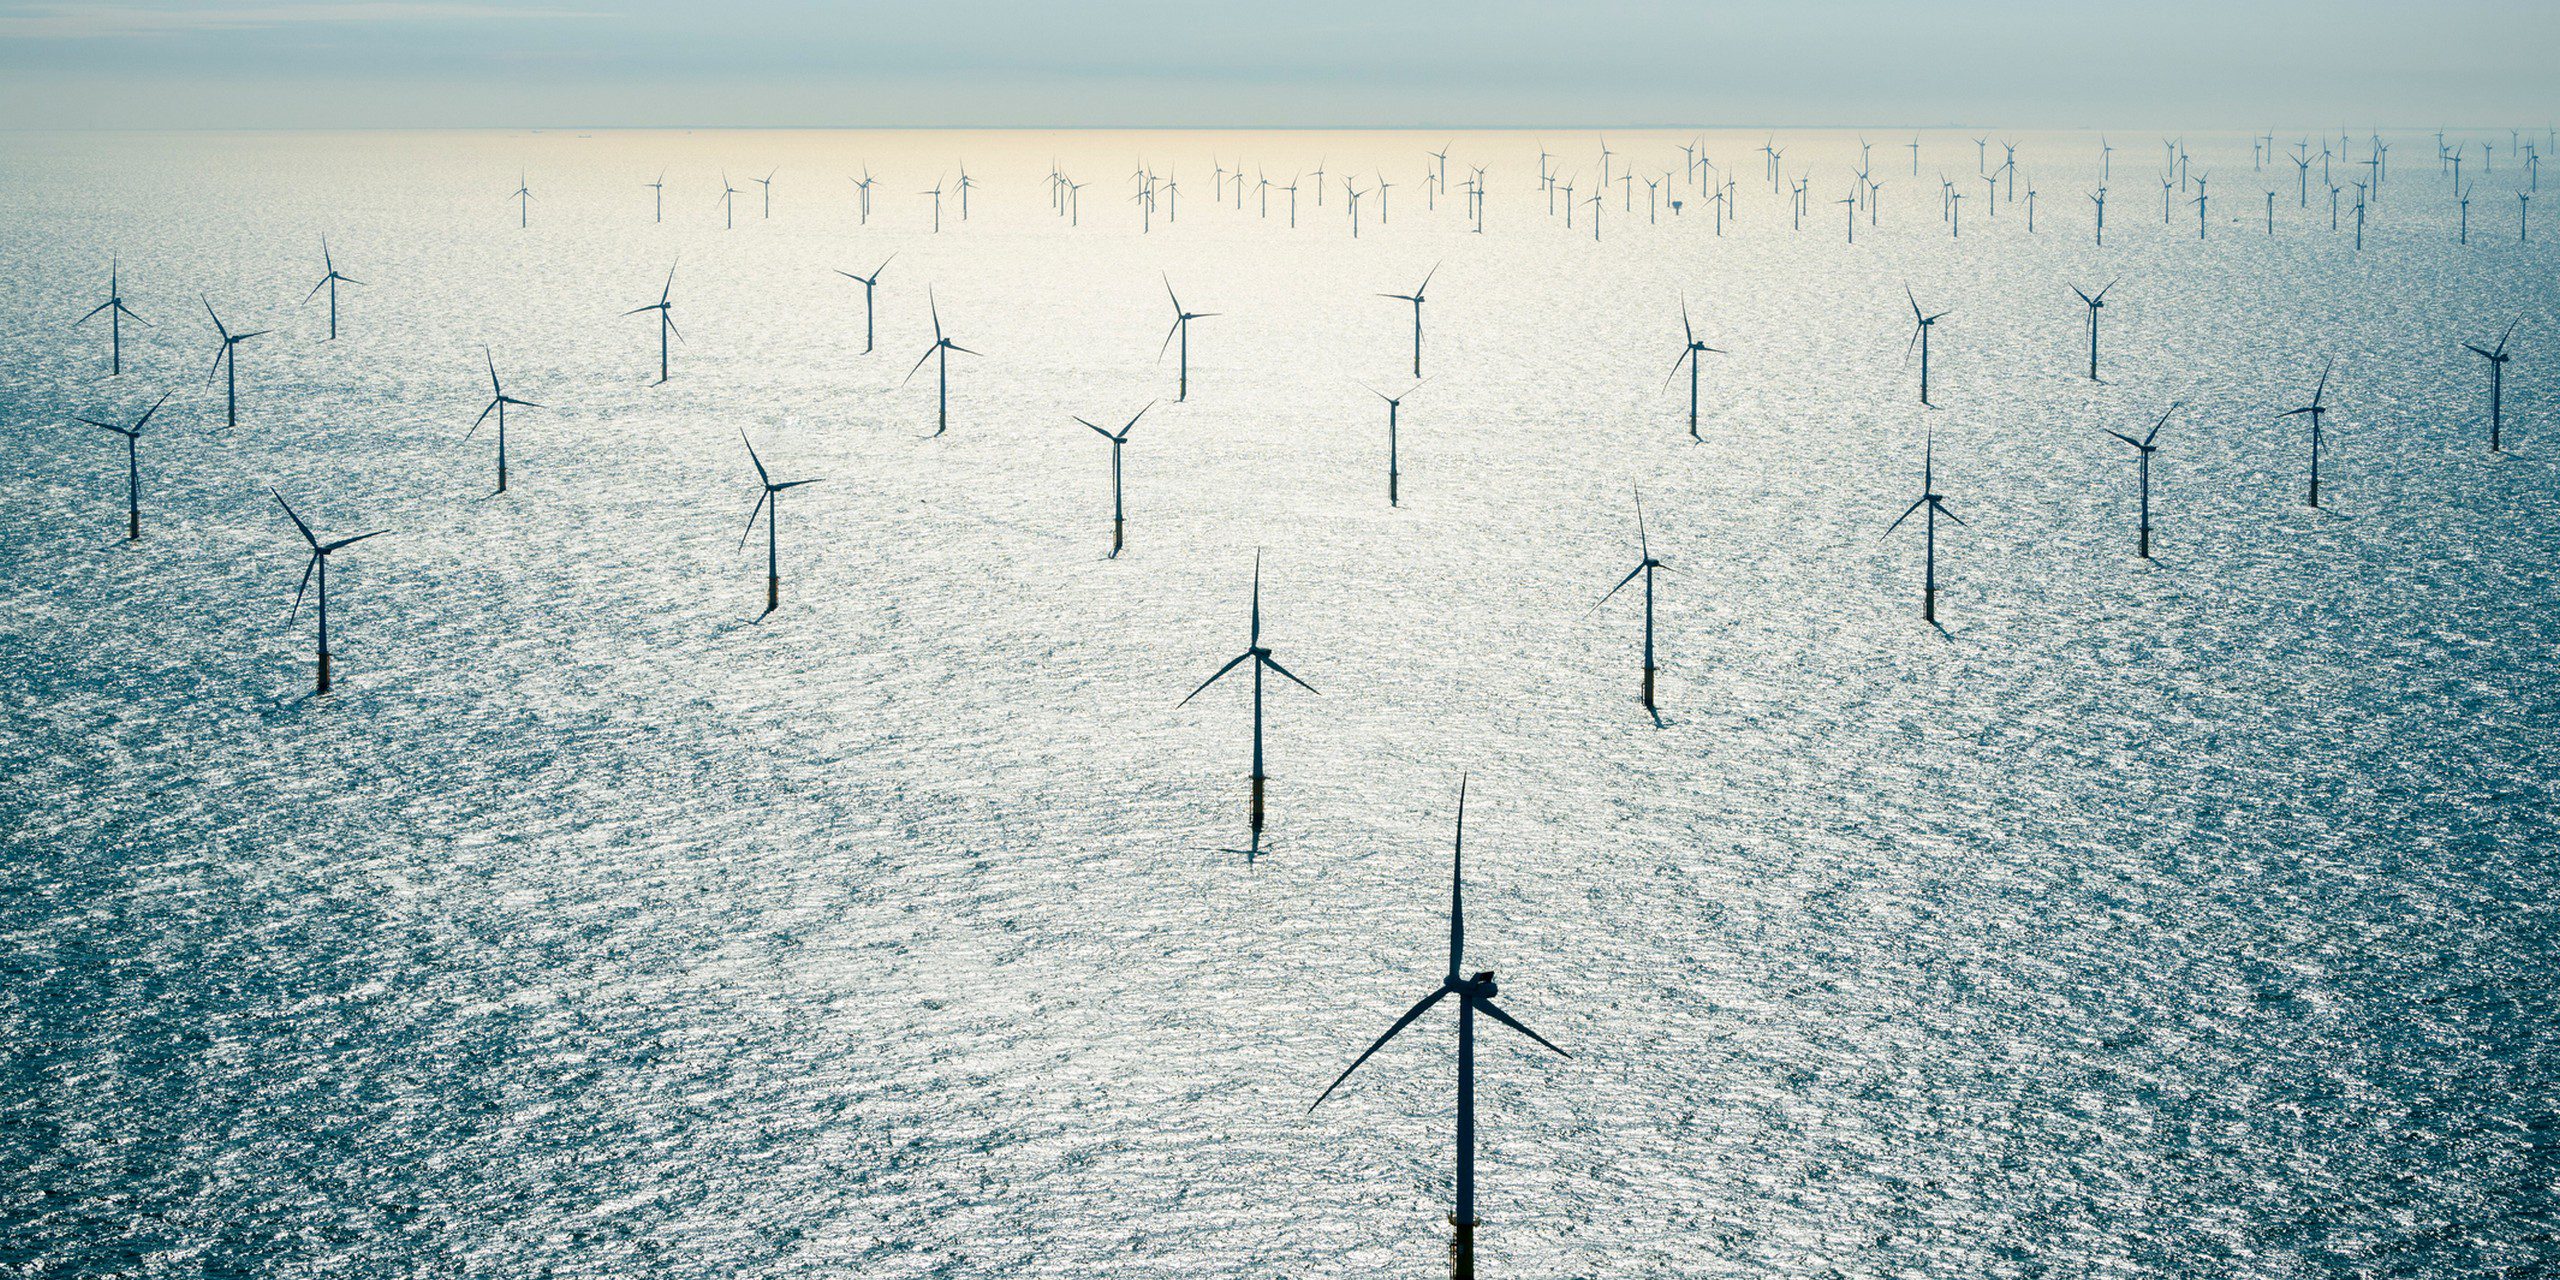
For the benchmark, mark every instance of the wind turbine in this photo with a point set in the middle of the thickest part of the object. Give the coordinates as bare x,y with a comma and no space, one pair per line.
1257,657
1691,347
862,193
766,182
2316,409
1393,403
132,465
1415,298
1117,440
1475,995
499,400
524,204
117,313
2094,303
942,347
1181,328
1934,507
330,282
1645,565
319,563
728,203
658,191
226,361
768,505
870,287
1920,327
936,193
2497,380
2147,448
666,319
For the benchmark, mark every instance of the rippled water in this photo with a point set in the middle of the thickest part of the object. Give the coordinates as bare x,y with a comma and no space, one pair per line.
2192,917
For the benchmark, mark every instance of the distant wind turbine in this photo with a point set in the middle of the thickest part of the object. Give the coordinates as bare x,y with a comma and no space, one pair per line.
1117,440
942,347
330,282
1394,402
499,401
132,465
1181,329
666,319
117,313
2095,302
523,197
1415,298
1691,347
319,563
1646,564
2146,448
1932,506
1920,327
1257,657
226,361
2316,411
768,505
870,288
2497,381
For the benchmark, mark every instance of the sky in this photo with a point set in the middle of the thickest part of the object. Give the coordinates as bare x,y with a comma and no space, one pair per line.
1290,63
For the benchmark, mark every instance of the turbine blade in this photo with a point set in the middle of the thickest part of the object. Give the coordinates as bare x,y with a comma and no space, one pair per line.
752,513
349,542
1916,504
761,477
307,567
1488,1007
1231,665
1274,664
1416,1011
297,520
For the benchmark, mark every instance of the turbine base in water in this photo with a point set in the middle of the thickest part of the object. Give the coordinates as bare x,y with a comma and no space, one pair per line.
772,592
1257,804
324,671
1648,688
1462,1249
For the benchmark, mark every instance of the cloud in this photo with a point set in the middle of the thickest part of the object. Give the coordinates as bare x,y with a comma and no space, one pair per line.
117,21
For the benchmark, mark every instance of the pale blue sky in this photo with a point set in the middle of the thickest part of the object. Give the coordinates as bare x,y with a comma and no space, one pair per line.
394,63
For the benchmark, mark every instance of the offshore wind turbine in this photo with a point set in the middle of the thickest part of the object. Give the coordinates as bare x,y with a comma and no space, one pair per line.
768,505
318,563
1920,327
1645,565
1117,440
117,313
2099,198
666,319
1181,328
2497,380
870,288
942,347
132,465
330,282
2095,303
766,182
1691,347
658,192
1393,403
1934,506
728,203
1475,995
1415,298
2316,410
523,196
499,401
1258,657
2145,447
226,361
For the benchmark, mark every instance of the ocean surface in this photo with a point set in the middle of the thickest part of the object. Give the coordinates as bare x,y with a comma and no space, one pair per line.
2191,917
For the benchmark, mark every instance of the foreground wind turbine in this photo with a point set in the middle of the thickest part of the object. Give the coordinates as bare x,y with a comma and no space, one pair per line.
2317,410
1181,328
870,289
1258,658
2146,449
330,282
117,313
1645,565
1475,995
499,400
1393,403
1692,346
319,563
2094,303
2497,380
942,347
132,465
226,361
666,319
768,505
1920,326
1930,502
1117,440
1415,298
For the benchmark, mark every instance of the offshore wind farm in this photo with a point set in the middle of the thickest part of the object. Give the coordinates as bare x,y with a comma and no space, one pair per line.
2146,869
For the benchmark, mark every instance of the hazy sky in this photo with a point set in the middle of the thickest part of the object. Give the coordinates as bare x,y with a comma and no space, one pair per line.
2169,63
